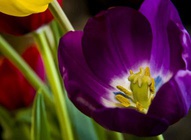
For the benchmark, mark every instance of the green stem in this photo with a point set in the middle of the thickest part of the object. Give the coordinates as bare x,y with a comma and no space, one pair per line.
18,61
55,36
100,131
60,16
112,135
115,136
160,137
57,33
132,137
56,85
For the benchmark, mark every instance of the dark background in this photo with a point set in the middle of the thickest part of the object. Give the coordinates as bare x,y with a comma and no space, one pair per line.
79,10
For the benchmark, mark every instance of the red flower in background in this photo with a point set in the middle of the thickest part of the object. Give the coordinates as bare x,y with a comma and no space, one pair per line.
15,91
23,25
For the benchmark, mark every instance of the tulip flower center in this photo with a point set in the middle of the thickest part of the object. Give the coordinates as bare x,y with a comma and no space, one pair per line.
141,93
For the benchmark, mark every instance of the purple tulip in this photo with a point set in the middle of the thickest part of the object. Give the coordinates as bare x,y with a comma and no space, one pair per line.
129,70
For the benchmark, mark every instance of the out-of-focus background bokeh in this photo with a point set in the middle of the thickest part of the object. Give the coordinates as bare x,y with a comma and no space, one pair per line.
78,12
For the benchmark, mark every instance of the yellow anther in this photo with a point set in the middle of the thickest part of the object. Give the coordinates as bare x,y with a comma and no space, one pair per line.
124,90
124,101
139,107
141,71
147,72
131,72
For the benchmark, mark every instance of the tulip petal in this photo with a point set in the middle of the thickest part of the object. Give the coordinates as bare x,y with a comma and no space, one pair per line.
184,80
83,88
16,92
162,14
171,103
176,47
24,25
130,121
10,77
114,42
173,100
32,53
22,7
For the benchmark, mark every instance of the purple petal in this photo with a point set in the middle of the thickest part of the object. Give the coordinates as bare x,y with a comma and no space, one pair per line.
185,41
173,100
176,47
130,121
161,14
184,81
83,88
171,103
157,10
116,40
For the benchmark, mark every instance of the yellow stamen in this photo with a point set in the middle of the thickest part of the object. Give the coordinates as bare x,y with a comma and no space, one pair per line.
147,72
131,72
124,101
139,82
141,72
142,87
139,107
124,90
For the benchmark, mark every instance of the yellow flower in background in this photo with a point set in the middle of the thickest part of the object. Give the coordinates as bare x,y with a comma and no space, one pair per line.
23,7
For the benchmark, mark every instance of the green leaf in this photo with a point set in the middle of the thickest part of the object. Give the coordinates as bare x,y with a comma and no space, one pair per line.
6,122
40,128
101,132
15,128
23,115
85,128
5,117
82,125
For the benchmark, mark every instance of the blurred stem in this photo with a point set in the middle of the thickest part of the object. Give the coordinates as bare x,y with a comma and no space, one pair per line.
7,123
115,136
101,132
60,16
132,137
56,86
25,69
57,33
107,134
160,137
55,37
